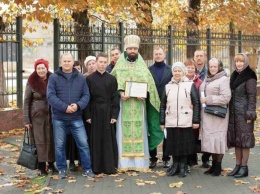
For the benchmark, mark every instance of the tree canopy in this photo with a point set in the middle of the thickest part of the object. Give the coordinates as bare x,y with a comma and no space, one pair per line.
244,14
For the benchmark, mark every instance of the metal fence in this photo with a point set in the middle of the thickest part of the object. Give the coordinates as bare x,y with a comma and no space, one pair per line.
11,64
99,36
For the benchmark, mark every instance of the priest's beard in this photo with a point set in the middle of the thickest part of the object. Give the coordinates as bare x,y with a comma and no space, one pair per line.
132,57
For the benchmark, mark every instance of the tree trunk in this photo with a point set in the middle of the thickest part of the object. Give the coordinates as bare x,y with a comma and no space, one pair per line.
192,28
82,36
146,33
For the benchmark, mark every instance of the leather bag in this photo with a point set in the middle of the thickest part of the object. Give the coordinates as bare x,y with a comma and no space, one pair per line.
218,111
28,154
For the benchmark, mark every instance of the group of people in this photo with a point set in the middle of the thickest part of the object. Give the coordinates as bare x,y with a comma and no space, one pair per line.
93,118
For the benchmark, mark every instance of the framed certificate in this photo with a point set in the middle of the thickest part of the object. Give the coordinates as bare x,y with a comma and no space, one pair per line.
136,89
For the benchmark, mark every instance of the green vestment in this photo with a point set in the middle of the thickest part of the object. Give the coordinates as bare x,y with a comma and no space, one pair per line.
132,109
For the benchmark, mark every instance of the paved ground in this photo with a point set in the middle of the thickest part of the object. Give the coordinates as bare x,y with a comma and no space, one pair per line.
195,182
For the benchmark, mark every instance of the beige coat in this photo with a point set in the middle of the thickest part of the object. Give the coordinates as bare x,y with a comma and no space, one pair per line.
213,128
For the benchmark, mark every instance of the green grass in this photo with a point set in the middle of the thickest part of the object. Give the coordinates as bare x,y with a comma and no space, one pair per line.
40,180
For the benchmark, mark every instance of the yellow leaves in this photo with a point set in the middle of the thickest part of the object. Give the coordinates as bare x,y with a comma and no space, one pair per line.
132,174
55,177
239,182
1,172
160,173
176,185
141,182
256,178
119,180
255,189
119,186
88,186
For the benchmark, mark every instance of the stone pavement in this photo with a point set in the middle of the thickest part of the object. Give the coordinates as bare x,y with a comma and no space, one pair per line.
195,182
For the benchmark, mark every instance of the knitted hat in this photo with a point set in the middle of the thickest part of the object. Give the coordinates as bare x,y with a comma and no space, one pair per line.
89,58
41,61
181,65
132,41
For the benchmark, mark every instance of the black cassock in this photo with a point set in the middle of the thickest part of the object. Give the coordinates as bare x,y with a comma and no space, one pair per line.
103,106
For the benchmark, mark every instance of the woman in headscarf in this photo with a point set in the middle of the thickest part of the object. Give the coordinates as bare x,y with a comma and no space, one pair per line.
243,83
214,129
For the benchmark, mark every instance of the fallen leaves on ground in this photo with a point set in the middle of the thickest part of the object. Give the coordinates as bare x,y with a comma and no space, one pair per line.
141,182
198,187
88,186
100,175
119,186
132,174
155,193
239,182
160,173
255,189
176,185
93,179
114,175
1,172
119,180
72,181
225,171
181,192
256,178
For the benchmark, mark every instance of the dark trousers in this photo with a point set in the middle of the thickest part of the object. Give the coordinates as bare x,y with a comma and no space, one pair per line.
153,153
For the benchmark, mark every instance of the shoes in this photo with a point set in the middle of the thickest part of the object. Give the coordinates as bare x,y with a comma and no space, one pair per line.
152,164
243,172
217,169
43,173
182,173
206,164
166,164
73,167
187,167
174,169
62,174
235,170
89,174
211,169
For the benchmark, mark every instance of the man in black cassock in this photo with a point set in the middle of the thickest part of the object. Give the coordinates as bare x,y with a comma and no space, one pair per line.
102,113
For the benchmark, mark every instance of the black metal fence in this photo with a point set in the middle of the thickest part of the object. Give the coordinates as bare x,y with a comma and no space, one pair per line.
99,36
11,64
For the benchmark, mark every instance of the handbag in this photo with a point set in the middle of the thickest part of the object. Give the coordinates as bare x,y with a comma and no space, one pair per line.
218,111
28,154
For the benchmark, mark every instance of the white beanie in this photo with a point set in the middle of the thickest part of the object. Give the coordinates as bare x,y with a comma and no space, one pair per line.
89,58
181,65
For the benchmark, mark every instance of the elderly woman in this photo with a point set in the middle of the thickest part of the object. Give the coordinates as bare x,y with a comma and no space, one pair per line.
192,75
36,114
243,83
214,129
90,64
180,115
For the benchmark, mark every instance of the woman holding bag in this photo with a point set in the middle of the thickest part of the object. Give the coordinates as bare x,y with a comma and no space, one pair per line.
213,128
37,115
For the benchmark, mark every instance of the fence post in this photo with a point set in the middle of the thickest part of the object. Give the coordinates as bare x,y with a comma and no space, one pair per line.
239,41
208,44
56,38
103,36
121,31
170,44
19,64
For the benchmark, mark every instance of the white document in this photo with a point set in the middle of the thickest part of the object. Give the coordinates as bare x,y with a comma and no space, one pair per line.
203,96
165,133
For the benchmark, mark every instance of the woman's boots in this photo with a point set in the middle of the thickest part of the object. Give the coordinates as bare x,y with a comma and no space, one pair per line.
174,169
217,169
243,172
235,170
182,172
211,169
42,168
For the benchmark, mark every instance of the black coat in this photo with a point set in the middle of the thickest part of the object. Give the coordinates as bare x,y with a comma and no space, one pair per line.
242,108
166,78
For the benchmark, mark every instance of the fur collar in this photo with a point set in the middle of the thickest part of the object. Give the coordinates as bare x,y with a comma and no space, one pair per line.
37,84
237,79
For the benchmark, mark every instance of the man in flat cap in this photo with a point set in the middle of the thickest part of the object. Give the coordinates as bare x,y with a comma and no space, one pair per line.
138,128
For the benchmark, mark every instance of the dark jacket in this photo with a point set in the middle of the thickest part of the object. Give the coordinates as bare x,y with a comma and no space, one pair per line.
36,112
202,73
62,92
166,78
110,67
242,108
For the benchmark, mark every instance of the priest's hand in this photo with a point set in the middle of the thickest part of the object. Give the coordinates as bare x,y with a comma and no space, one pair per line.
70,109
139,98
88,121
162,127
122,94
195,126
113,121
